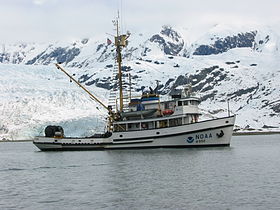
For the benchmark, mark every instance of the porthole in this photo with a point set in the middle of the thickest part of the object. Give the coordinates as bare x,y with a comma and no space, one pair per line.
158,133
121,135
226,121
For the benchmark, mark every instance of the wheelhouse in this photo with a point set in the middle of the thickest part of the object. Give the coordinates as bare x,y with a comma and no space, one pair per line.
168,114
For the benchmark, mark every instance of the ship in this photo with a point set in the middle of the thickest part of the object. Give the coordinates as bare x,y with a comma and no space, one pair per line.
144,121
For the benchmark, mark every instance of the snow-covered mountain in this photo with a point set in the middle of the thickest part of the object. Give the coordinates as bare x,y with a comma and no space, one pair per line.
240,64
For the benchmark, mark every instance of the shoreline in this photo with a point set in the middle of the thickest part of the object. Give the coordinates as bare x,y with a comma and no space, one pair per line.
249,133
16,140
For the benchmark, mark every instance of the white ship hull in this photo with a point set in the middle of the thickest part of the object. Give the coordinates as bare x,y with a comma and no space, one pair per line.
216,132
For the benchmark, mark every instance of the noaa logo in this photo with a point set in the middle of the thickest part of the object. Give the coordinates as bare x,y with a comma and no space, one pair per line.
190,139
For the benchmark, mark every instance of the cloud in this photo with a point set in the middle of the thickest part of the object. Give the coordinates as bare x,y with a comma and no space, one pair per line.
39,2
45,20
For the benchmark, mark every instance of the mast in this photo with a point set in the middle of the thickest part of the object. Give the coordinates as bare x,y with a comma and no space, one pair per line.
129,87
120,42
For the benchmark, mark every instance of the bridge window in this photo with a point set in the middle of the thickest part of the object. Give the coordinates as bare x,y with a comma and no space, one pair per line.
175,122
133,126
193,102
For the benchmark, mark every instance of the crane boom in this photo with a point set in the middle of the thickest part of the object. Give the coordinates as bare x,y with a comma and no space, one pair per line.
94,97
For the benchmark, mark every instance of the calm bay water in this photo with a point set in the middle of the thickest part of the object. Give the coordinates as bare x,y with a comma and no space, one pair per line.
243,176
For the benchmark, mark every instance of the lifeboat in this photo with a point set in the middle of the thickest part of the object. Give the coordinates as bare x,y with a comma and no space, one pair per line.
168,112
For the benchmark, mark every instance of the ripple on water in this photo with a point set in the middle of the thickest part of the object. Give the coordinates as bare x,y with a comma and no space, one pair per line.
12,169
244,176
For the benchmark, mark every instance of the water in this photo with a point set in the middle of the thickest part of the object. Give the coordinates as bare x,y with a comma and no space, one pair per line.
243,176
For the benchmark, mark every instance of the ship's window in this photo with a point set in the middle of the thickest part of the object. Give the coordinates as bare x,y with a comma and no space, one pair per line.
121,135
179,103
151,125
133,126
193,102
158,132
171,122
178,121
170,105
185,103
226,121
186,120
145,126
162,124
175,122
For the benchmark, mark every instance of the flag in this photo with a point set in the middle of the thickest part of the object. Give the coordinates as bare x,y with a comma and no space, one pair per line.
109,41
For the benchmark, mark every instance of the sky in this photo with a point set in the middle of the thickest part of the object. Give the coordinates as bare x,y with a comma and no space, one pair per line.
63,20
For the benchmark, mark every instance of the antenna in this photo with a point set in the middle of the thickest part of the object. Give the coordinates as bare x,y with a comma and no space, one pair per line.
228,108
129,87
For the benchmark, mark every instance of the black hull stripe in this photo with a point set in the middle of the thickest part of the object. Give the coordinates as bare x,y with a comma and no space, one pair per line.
70,144
90,145
132,148
171,135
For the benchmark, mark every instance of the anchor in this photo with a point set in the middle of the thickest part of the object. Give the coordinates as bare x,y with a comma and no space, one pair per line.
221,134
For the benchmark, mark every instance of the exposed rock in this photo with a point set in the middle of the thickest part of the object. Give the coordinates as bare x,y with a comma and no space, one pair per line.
169,47
99,47
241,92
84,41
269,126
229,63
58,55
276,108
109,66
84,78
225,44
126,68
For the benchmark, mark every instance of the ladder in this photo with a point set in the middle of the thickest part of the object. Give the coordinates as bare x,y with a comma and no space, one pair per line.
114,92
